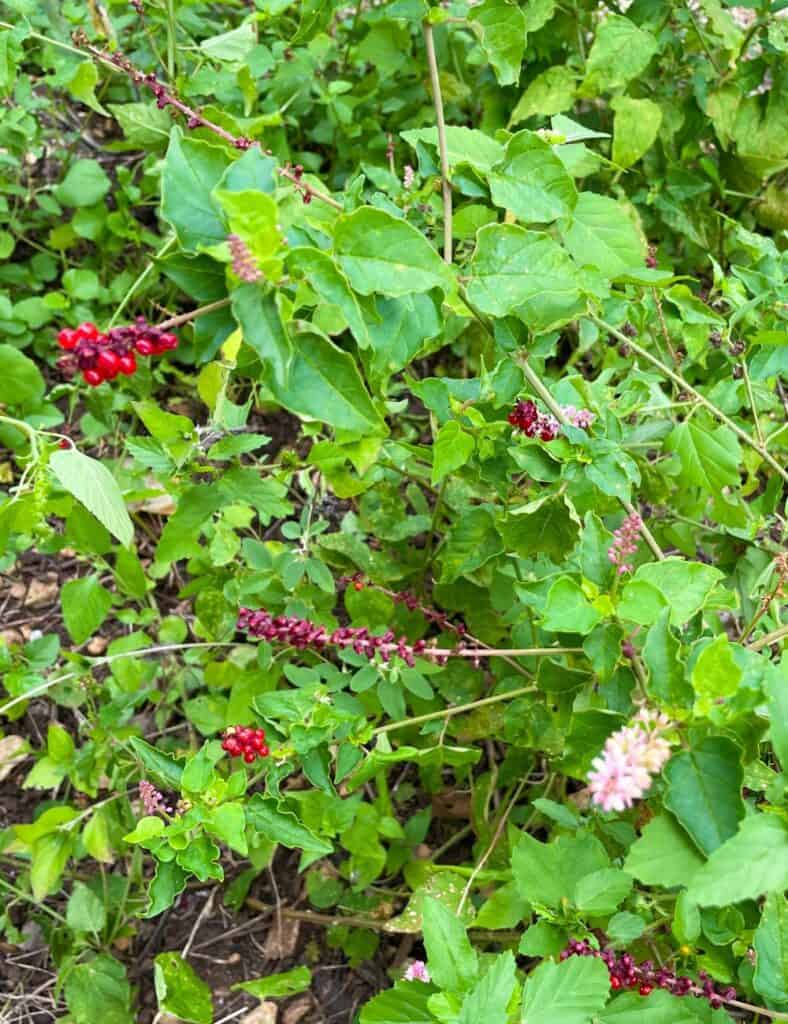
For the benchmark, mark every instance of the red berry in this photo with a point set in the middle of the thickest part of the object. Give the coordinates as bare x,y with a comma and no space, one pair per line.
108,362
615,982
257,742
144,347
645,990
167,341
250,756
127,364
67,338
264,751
63,443
92,377
358,585
87,332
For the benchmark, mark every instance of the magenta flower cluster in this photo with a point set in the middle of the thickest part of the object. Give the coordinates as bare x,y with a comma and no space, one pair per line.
623,772
626,973
243,262
152,800
418,971
625,543
303,634
526,417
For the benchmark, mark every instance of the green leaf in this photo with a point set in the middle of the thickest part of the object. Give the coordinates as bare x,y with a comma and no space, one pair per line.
659,1008
406,1003
85,605
49,857
662,655
709,459
524,273
751,863
552,92
602,892
85,184
619,53
547,873
282,826
228,823
777,693
324,384
180,991
21,382
85,910
276,986
164,768
663,855
452,959
192,170
98,990
383,254
635,127
531,181
452,449
82,86
704,791
234,46
568,610
143,124
489,998
599,234
504,909
502,29
463,145
771,946
471,542
686,586
332,286
96,837
715,674
168,883
92,484
263,330
566,993
147,828
253,216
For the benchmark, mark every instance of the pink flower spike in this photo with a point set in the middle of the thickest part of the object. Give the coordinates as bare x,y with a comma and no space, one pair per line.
622,773
418,972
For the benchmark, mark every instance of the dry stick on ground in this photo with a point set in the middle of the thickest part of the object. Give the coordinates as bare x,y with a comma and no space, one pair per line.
435,82
686,386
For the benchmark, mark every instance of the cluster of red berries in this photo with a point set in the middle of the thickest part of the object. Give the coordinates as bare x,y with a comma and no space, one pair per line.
625,973
102,357
526,417
245,742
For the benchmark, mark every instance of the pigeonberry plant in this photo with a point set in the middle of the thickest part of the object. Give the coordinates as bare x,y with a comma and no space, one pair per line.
392,528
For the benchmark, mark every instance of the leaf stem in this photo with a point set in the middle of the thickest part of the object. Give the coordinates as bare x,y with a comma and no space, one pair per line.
141,279
437,99
686,386
183,318
460,709
769,638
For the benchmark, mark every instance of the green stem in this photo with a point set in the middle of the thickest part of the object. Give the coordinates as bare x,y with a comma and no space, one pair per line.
31,432
460,709
172,29
686,386
36,691
768,639
440,122
141,280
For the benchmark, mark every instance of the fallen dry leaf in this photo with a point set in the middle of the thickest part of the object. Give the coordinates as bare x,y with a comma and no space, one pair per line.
281,942
265,1013
297,1010
42,591
13,749
97,645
